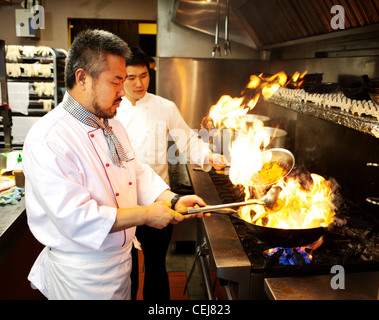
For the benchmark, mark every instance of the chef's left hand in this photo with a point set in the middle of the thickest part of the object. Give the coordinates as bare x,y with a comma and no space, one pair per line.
218,161
186,202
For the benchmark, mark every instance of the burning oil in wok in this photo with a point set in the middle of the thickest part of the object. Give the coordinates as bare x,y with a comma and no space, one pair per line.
270,172
306,201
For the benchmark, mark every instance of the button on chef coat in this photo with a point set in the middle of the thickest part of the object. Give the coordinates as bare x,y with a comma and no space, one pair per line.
149,122
70,190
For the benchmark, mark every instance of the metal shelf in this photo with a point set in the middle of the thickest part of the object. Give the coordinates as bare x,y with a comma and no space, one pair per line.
55,59
363,124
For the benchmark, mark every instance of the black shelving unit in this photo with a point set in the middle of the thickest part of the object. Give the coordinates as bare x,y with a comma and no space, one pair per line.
5,113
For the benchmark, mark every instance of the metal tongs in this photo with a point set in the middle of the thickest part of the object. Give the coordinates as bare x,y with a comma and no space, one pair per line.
268,200
227,46
216,47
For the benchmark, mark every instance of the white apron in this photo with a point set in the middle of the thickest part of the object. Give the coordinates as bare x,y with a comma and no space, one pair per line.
84,276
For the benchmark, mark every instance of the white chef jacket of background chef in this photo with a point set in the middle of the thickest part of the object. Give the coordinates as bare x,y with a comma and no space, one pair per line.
149,122
73,189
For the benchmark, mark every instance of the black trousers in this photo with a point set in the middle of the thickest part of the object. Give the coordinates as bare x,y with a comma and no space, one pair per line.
154,244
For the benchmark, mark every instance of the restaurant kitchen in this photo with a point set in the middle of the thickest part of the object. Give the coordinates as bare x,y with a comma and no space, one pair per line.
324,131
330,124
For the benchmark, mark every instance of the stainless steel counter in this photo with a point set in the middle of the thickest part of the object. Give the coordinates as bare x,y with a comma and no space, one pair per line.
357,286
224,245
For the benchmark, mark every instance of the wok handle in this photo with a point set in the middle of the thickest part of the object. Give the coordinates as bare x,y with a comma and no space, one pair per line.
223,206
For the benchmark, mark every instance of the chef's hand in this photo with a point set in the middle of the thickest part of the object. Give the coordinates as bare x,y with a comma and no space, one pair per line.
160,214
187,202
218,161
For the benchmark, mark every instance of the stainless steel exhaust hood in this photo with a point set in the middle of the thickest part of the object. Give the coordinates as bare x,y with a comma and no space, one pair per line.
202,15
266,24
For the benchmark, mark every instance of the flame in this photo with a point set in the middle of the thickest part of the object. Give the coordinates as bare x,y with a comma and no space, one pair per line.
273,84
295,76
296,80
226,110
229,113
288,255
296,207
249,161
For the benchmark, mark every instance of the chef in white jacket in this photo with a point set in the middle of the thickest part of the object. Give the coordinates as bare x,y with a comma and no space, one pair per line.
85,191
149,119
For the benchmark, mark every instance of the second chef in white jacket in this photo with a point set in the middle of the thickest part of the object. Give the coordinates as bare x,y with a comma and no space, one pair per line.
149,119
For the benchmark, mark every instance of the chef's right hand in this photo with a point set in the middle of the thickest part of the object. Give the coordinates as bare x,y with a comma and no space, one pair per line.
218,161
160,214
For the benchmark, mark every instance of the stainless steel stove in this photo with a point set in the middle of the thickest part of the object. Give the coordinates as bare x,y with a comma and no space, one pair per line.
236,261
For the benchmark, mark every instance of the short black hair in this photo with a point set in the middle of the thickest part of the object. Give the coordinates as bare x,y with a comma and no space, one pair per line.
89,50
137,58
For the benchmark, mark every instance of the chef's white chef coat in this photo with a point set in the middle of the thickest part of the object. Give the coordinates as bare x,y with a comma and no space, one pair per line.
148,124
73,189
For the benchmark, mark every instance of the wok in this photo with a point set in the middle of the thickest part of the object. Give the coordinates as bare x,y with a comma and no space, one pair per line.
287,238
284,237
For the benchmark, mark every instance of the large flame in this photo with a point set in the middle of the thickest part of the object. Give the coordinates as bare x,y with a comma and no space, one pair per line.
296,207
227,112
248,140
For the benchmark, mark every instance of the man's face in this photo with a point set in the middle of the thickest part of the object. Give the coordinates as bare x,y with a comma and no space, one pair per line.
108,89
136,82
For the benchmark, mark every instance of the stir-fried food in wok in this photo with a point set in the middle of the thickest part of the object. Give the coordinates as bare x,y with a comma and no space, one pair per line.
270,173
